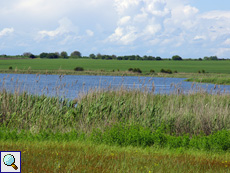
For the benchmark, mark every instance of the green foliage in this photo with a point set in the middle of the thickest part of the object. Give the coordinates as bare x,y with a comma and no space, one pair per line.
211,58
49,55
75,54
176,57
152,71
158,58
78,69
10,68
130,69
137,70
64,55
32,56
166,71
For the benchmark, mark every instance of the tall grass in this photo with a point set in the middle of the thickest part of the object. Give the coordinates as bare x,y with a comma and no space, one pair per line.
120,116
193,113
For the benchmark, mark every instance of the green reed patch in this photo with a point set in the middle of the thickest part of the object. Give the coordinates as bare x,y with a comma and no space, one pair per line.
128,135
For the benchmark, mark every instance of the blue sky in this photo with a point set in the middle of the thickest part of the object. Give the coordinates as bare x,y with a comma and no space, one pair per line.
189,28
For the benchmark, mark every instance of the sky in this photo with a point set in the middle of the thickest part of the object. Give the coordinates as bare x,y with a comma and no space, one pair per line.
189,28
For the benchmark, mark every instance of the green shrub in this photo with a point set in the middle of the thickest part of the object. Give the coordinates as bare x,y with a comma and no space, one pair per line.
137,70
10,67
130,69
166,71
78,69
152,71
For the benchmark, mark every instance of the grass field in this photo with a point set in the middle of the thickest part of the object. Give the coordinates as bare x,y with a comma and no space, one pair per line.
109,65
87,157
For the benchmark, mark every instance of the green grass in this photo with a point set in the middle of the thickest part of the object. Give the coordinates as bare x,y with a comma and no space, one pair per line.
87,157
109,65
220,79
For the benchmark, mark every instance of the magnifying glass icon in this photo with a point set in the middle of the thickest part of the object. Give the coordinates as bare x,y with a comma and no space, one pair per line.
9,160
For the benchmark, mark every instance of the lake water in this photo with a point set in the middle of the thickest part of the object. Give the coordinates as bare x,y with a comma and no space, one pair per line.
69,86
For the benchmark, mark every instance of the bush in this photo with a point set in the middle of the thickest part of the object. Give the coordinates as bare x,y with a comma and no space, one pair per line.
166,71
176,57
203,71
78,69
175,71
130,69
199,71
10,67
152,71
137,70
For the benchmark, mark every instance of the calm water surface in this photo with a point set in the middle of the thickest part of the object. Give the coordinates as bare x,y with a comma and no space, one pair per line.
69,86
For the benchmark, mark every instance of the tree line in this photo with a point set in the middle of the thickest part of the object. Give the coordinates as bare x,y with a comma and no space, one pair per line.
77,55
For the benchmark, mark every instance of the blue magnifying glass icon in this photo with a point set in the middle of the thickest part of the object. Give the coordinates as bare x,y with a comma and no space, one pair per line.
9,160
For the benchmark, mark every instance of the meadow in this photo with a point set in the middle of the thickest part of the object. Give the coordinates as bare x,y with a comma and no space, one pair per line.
118,130
122,65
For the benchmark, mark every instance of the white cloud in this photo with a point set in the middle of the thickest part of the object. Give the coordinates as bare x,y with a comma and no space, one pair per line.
227,42
124,20
6,31
65,26
89,32
123,26
199,37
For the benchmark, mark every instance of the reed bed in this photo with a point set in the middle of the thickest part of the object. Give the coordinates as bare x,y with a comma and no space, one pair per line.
192,113
120,116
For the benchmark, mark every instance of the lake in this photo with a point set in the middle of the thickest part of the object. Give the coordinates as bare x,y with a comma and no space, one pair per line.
69,86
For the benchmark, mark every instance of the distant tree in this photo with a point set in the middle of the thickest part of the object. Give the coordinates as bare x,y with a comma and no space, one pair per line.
206,58
158,58
99,56
64,55
76,54
114,57
52,56
43,55
145,58
27,54
32,56
213,58
133,57
119,58
92,56
58,54
176,57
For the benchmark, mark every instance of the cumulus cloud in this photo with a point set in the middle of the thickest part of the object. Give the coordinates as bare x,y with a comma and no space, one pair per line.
6,31
65,27
162,27
173,24
89,32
